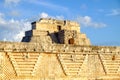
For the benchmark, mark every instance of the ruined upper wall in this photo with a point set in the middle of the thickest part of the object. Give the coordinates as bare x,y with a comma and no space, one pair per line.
53,25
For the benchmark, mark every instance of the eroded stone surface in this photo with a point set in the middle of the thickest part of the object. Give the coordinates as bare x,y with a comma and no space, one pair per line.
57,50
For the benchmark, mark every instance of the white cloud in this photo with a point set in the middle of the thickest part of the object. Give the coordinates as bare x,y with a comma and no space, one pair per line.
12,1
114,12
12,30
1,18
46,15
18,36
87,21
1,15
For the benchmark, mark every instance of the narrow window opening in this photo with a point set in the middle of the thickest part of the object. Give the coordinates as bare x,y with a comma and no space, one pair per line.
113,57
59,28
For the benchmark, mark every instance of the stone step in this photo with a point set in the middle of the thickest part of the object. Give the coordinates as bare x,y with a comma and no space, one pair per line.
112,69
107,59
23,68
77,56
109,64
15,54
112,66
71,69
28,59
110,58
111,72
71,58
118,61
72,73
24,74
26,66
24,56
72,64
67,58
25,63
71,61
25,71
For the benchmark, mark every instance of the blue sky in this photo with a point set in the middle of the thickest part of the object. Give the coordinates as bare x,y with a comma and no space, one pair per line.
99,19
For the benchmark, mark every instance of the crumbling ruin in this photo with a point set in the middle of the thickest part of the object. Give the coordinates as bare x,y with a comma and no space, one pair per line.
57,50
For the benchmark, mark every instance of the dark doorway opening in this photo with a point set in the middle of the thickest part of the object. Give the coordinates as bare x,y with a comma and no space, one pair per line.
71,41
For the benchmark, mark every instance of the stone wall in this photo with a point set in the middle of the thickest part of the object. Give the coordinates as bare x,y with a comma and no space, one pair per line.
78,38
56,50
56,31
51,25
34,61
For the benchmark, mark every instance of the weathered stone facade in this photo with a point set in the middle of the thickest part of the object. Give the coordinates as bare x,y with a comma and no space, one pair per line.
51,31
57,50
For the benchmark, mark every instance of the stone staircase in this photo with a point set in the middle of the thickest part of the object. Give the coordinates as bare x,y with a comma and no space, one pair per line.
111,63
71,63
25,64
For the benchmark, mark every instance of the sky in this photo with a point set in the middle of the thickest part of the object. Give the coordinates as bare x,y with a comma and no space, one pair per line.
98,19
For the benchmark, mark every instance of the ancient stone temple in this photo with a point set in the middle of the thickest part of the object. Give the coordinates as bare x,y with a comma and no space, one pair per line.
57,50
